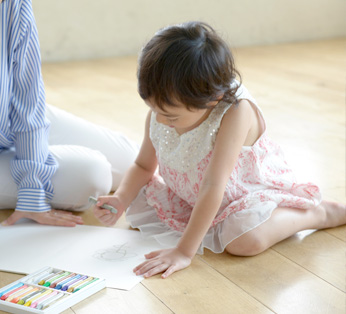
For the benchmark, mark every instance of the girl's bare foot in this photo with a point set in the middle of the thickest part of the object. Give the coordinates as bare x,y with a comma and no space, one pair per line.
335,214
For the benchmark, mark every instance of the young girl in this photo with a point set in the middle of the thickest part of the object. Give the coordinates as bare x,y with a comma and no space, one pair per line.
222,183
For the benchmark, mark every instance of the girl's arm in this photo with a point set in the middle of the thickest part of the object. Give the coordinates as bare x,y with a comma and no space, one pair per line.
234,132
135,178
141,171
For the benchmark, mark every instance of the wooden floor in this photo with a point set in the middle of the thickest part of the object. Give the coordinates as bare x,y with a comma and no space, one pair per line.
301,89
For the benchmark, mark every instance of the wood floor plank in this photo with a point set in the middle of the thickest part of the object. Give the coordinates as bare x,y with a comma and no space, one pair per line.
139,300
6,278
101,91
5,213
318,252
339,232
201,289
278,283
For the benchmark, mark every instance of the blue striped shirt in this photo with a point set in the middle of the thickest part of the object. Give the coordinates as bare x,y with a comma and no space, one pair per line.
23,125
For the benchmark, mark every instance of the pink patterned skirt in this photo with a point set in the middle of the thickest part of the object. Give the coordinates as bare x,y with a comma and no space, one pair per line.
260,182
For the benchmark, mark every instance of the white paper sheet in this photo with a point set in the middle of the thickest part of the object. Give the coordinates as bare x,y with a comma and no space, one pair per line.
107,253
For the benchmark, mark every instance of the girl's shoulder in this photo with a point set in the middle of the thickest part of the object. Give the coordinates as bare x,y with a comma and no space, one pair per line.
244,120
242,94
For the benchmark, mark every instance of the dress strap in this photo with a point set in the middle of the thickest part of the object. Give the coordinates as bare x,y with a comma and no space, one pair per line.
243,93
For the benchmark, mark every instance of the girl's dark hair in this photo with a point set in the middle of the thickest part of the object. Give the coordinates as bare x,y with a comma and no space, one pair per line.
188,63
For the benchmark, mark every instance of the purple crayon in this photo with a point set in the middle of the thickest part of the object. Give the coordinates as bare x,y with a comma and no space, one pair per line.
64,288
60,285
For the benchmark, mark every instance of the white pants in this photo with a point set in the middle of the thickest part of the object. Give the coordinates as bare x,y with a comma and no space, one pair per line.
92,160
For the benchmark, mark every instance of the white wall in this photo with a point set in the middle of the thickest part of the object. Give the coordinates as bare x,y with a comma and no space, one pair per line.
84,29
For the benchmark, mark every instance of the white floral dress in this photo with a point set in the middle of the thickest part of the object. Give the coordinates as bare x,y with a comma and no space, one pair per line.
260,182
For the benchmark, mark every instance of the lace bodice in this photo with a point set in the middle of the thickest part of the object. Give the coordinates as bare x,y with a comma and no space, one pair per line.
184,152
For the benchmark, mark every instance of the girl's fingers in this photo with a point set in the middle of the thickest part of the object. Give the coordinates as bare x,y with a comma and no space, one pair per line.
168,272
155,270
109,220
100,212
138,267
102,200
105,216
146,266
152,254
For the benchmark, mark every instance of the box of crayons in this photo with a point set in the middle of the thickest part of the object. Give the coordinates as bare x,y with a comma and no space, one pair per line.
49,290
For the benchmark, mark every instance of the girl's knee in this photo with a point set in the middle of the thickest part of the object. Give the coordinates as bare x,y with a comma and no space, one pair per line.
246,245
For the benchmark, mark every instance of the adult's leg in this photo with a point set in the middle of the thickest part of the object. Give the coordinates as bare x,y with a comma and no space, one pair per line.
284,223
8,188
82,172
67,129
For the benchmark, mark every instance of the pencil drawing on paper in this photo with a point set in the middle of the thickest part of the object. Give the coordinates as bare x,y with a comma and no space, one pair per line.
116,253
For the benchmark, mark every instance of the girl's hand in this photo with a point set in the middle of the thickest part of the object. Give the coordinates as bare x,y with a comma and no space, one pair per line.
167,261
53,217
104,215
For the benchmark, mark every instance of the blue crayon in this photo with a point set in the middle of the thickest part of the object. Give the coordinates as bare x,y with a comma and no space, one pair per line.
59,286
12,288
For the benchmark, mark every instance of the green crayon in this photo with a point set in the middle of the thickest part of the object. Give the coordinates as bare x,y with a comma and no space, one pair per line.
105,206
88,283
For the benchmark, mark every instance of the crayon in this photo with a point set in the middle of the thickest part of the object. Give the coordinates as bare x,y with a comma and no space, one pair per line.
93,200
43,280
5,296
9,289
31,295
71,289
51,280
88,283
28,303
49,302
55,283
18,293
70,283
28,291
67,279
40,300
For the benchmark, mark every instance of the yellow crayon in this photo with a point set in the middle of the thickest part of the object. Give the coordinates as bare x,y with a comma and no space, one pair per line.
28,303
51,275
29,296
31,290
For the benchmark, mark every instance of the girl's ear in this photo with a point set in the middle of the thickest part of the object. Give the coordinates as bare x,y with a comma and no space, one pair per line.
220,97
215,102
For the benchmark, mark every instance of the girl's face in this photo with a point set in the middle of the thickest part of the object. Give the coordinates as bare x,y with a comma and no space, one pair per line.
179,117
